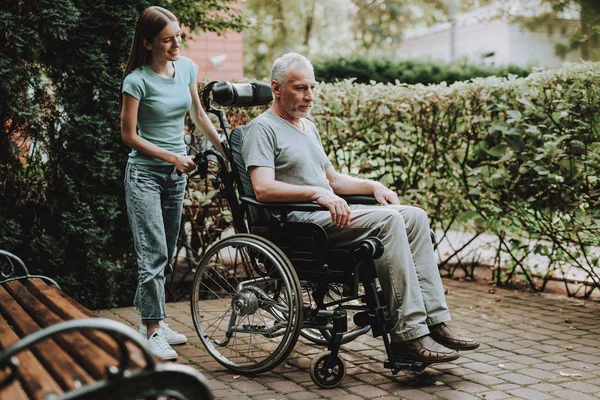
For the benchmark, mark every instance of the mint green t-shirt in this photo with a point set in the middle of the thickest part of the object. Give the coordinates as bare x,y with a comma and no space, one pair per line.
164,103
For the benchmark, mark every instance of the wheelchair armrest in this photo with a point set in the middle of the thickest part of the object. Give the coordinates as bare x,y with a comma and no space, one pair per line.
308,205
365,199
304,206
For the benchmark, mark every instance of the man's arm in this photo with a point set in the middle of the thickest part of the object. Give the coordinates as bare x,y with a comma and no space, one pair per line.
345,184
267,189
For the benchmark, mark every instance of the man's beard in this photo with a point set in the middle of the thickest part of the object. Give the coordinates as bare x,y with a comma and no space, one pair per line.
300,114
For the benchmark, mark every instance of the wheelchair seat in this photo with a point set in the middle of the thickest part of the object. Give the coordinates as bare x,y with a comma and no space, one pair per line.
255,292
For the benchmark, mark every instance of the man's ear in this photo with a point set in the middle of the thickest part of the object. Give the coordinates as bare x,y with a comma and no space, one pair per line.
275,88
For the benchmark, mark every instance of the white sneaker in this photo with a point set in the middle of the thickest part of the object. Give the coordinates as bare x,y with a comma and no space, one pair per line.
160,348
166,332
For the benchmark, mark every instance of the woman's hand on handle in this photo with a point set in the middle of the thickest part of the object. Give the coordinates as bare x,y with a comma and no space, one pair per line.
184,164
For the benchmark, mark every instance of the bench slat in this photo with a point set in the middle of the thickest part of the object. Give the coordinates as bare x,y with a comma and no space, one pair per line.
14,391
59,364
93,358
55,298
36,381
68,308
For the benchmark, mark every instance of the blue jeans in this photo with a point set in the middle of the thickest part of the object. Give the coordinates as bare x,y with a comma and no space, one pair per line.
154,198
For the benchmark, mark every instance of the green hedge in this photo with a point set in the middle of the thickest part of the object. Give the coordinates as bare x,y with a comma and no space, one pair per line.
381,70
518,158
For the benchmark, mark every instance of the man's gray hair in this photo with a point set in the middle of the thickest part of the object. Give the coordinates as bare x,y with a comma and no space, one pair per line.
283,65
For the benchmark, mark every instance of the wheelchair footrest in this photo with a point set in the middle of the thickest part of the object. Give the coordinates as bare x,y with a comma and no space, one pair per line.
411,365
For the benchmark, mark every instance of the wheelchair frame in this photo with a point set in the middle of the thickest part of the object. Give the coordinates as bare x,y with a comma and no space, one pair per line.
271,281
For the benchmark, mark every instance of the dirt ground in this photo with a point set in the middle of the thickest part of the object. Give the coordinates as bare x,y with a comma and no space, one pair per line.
484,274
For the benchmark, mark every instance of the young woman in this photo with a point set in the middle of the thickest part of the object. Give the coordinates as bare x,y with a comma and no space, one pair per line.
159,87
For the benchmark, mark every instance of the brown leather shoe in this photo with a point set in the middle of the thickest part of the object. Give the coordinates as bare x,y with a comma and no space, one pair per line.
423,349
442,334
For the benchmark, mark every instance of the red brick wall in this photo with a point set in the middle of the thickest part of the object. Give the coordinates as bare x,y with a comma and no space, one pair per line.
204,46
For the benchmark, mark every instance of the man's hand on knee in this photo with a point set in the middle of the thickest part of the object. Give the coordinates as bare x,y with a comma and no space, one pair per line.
339,209
384,195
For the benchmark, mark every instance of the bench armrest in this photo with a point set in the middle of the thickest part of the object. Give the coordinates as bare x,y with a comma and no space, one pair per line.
309,205
10,265
119,378
118,331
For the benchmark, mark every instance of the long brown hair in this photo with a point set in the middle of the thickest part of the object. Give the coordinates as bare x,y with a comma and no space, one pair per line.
150,22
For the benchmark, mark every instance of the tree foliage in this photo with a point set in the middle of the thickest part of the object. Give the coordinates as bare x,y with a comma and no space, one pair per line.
326,28
61,156
343,28
383,22
281,26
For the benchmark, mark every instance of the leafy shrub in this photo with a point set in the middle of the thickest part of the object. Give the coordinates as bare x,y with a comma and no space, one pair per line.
382,70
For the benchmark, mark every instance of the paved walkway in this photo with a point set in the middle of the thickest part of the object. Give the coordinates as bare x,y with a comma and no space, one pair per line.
533,347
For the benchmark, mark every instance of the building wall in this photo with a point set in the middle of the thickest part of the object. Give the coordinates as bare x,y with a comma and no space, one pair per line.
509,44
538,48
475,42
472,42
219,57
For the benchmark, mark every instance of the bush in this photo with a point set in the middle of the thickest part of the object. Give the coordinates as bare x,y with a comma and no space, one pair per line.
380,70
517,157
61,156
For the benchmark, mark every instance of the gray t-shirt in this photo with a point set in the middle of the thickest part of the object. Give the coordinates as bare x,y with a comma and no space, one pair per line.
297,157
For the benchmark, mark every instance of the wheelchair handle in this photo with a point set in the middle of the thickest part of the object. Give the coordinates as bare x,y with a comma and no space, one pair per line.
370,247
197,160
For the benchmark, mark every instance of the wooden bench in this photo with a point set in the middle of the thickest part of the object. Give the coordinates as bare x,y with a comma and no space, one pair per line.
51,347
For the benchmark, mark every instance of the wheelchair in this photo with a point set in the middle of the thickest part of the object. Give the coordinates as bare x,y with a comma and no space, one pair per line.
255,292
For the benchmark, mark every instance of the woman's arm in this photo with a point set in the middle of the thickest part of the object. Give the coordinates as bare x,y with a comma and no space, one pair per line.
129,112
201,120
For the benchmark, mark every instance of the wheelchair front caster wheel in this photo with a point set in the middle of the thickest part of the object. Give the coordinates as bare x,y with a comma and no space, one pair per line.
327,376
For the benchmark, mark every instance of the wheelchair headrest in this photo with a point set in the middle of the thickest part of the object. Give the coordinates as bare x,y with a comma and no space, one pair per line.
241,94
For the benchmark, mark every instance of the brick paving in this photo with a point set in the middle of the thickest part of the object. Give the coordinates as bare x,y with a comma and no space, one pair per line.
534,346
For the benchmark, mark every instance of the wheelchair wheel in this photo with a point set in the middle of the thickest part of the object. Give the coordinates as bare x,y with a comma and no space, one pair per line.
246,304
327,378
